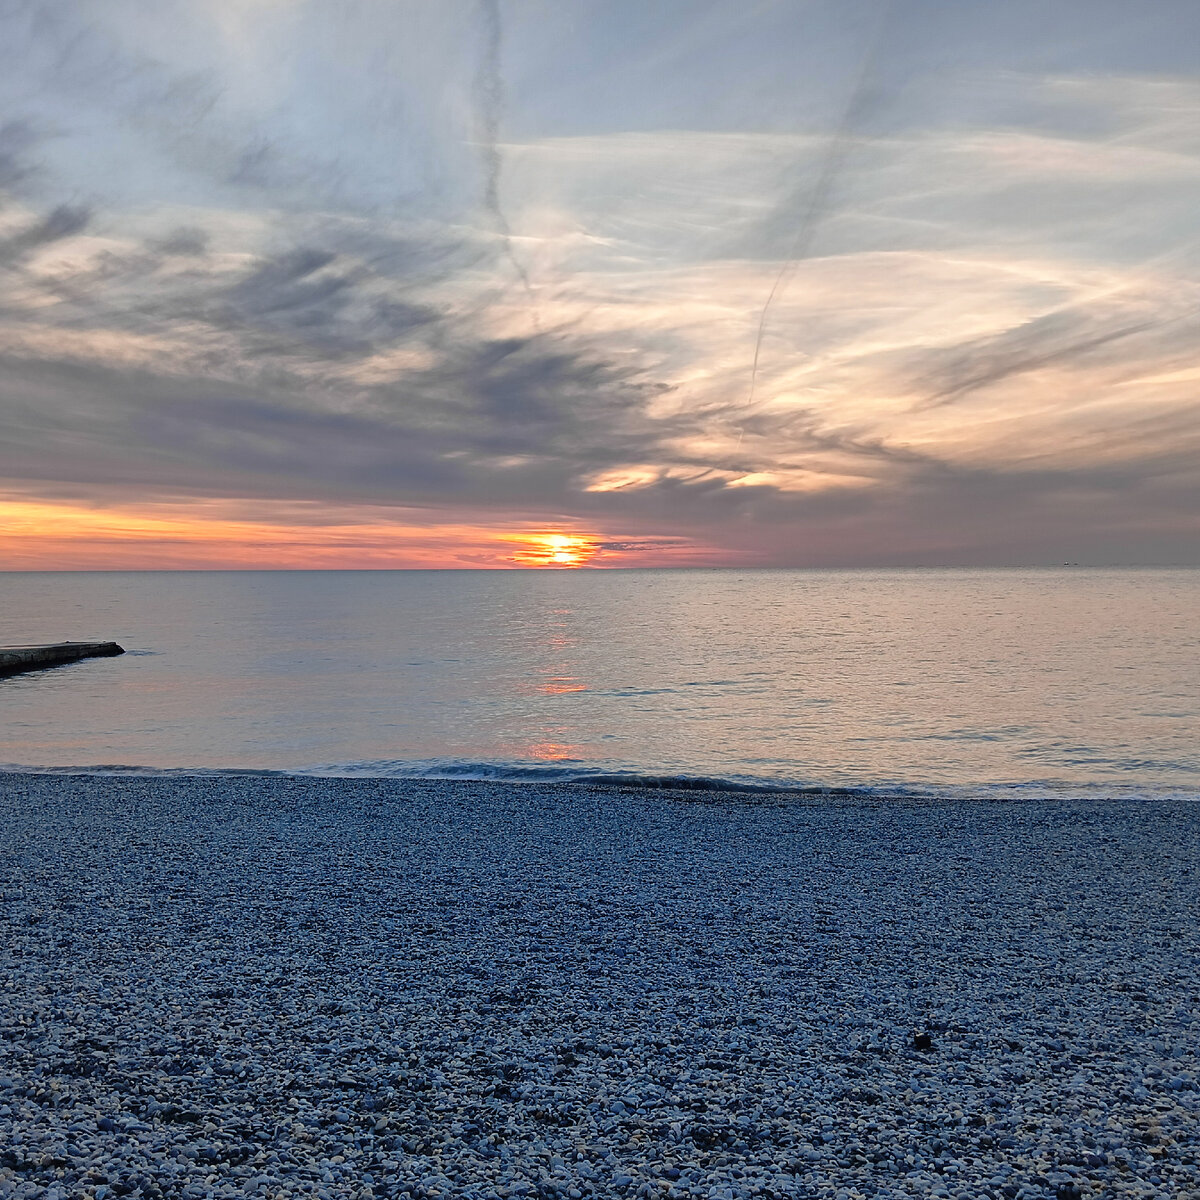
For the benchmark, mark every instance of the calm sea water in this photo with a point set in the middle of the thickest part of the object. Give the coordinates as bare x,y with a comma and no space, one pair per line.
1077,681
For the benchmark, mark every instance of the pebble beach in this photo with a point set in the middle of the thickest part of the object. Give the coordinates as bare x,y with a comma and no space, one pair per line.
238,985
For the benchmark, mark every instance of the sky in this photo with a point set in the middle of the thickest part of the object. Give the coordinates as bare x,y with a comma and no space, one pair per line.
504,283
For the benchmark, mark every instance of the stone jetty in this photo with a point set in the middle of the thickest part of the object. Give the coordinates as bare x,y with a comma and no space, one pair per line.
14,659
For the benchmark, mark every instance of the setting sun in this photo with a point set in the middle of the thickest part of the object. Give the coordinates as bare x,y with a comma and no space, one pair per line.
557,550
564,551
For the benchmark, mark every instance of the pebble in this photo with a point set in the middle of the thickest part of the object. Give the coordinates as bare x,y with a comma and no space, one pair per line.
219,986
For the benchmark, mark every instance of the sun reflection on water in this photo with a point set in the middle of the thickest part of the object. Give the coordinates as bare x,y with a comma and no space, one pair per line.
553,752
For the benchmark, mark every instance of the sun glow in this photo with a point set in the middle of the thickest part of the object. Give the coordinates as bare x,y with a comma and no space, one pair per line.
557,550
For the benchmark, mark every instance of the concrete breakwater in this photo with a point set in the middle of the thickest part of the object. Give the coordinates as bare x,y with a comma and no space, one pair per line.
14,659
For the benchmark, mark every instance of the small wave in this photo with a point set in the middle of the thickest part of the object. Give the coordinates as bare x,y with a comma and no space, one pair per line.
579,773
457,771
128,769
561,772
592,775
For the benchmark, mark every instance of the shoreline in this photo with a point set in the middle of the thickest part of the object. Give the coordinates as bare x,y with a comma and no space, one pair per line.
517,774
303,985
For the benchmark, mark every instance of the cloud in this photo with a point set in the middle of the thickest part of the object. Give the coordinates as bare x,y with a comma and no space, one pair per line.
1047,341
17,138
62,221
183,240
232,276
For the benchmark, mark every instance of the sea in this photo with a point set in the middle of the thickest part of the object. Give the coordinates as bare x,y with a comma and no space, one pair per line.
962,682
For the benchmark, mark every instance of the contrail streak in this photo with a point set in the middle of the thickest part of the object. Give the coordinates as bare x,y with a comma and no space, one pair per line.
489,90
835,156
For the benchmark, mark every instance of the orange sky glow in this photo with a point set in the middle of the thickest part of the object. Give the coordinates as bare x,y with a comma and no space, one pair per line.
204,535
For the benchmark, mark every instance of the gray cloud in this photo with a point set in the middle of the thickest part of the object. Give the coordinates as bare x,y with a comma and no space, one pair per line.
1047,341
17,138
261,422
183,240
62,221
